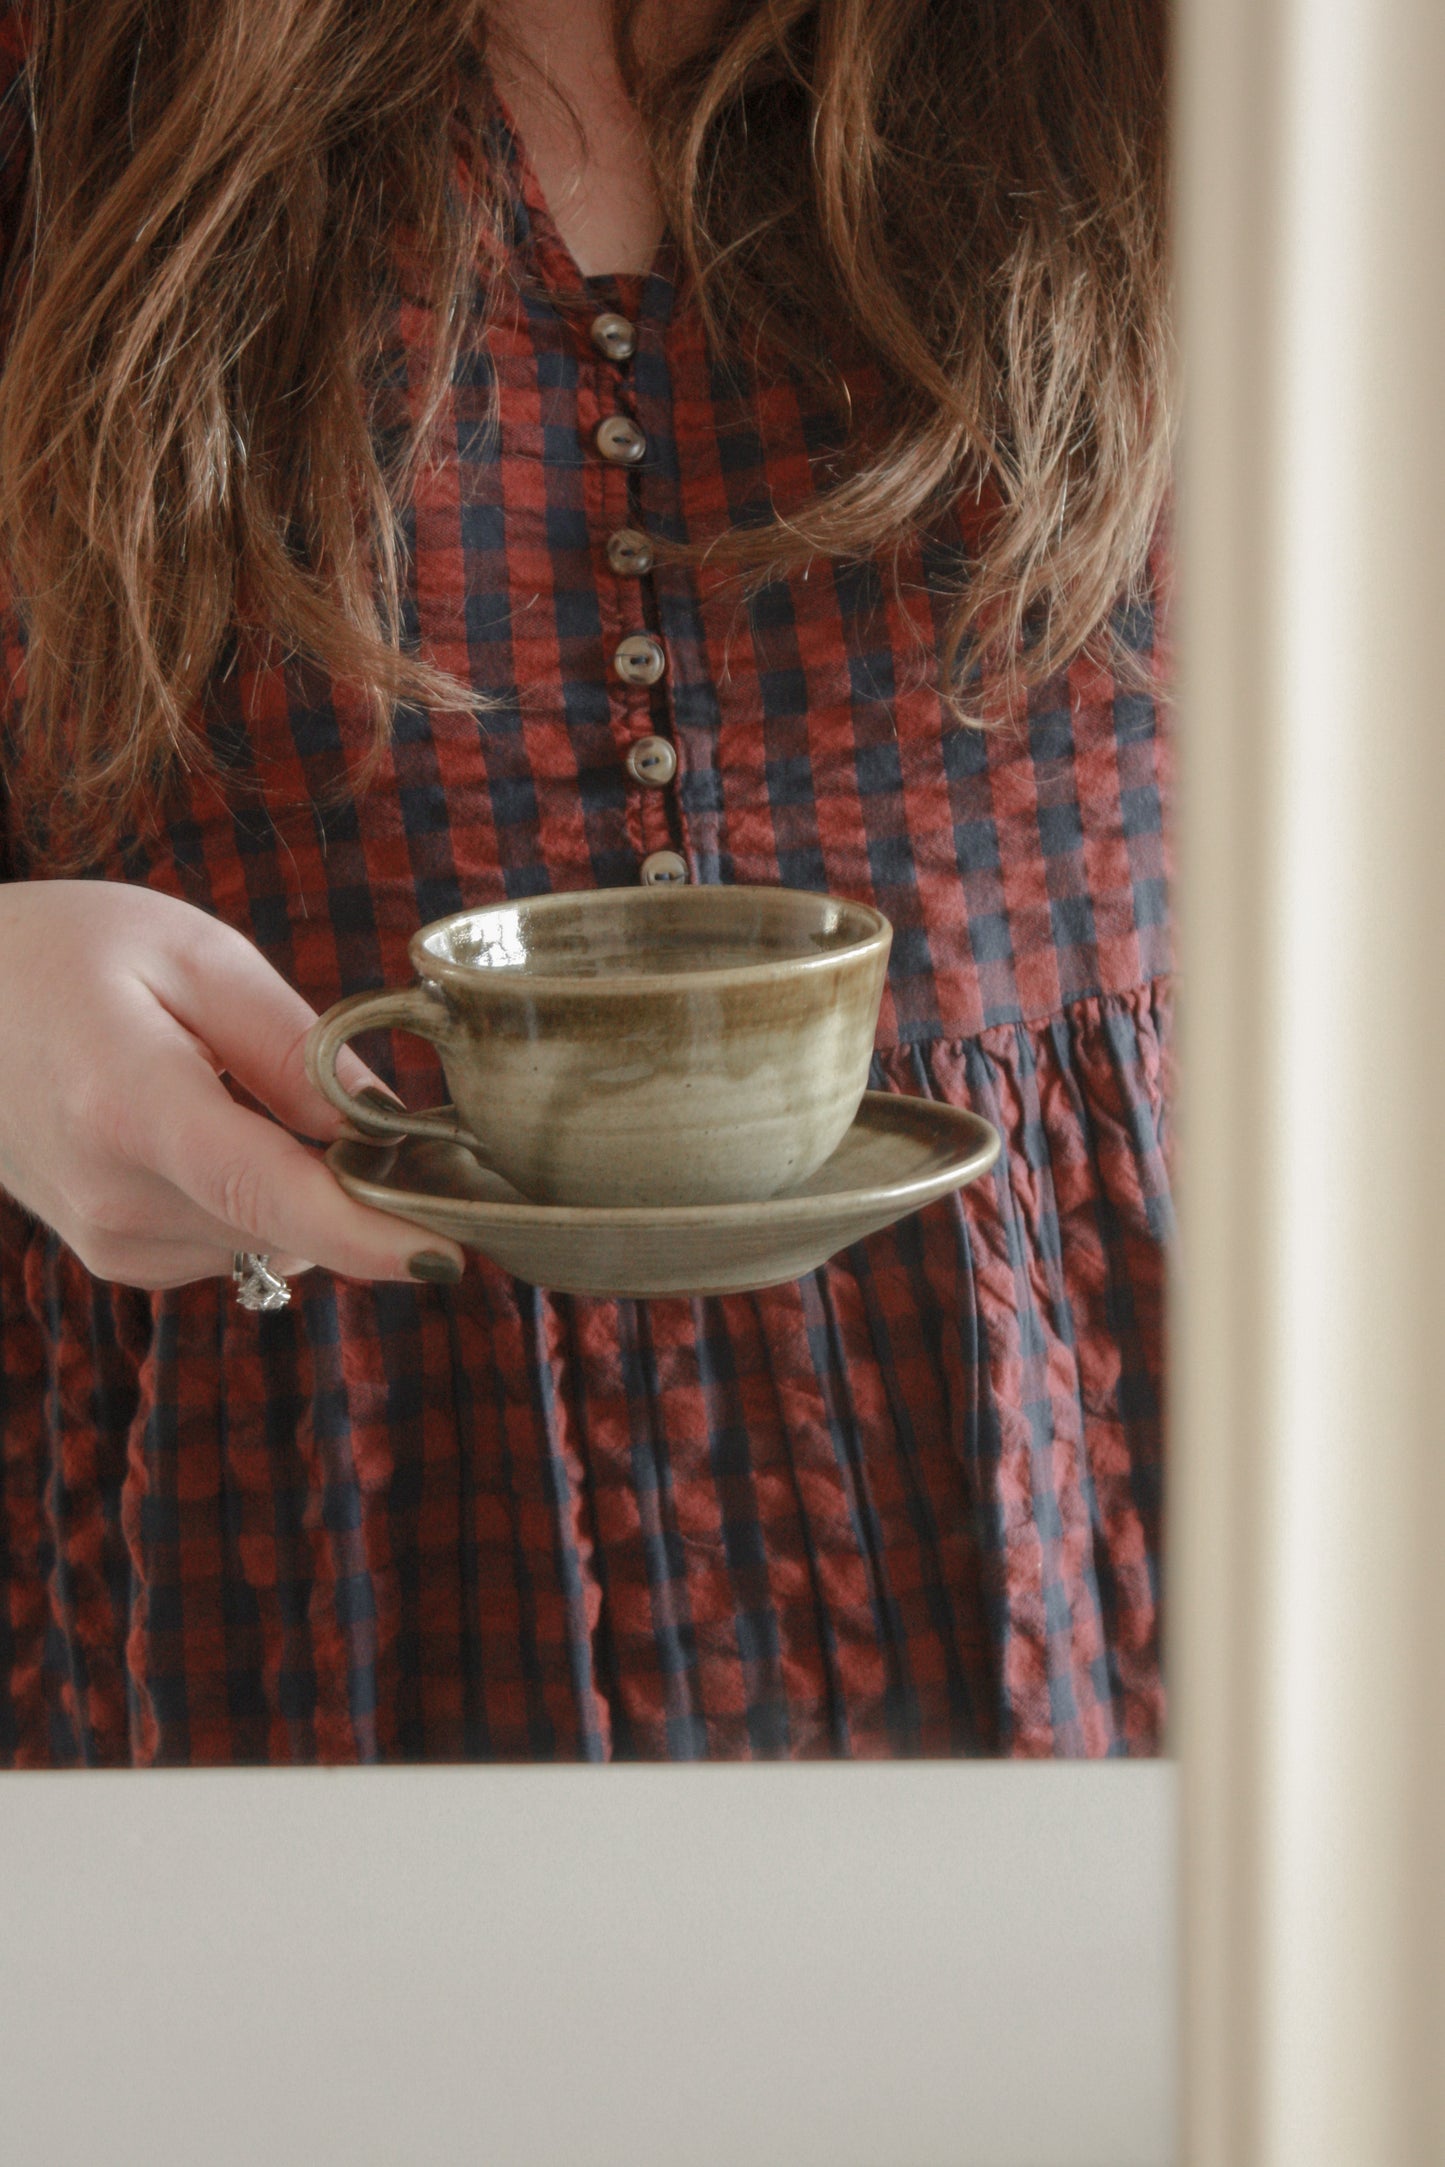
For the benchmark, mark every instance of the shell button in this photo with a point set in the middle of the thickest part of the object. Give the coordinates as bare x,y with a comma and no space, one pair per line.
652,761
664,869
629,553
640,659
613,336
620,442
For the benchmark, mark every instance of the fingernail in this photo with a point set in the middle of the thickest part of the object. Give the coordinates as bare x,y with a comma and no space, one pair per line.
382,1101
432,1266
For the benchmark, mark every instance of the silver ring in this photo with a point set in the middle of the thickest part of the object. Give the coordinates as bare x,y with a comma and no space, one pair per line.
257,1286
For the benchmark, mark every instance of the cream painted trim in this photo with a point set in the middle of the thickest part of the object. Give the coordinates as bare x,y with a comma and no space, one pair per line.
1309,1362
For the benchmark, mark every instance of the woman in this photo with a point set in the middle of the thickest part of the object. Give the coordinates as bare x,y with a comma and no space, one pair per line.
374,369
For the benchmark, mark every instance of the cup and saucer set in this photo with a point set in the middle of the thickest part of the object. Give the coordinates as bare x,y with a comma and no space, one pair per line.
655,1091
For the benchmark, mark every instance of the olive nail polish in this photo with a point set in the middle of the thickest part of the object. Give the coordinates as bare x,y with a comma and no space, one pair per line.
436,1269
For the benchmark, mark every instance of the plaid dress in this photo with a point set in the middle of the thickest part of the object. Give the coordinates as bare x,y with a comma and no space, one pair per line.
909,1505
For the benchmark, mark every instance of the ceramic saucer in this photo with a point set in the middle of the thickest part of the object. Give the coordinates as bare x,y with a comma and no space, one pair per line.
899,1154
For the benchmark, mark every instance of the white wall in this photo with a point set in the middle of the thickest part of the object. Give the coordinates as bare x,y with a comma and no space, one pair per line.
943,1966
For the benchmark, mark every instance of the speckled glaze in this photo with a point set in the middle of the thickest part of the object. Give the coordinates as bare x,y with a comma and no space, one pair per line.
636,1047
898,1155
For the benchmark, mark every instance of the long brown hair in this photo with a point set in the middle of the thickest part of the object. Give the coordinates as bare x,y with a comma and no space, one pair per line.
194,445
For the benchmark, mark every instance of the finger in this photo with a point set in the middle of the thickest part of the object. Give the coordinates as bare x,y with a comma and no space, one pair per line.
254,1178
152,1267
222,990
160,1267
151,1217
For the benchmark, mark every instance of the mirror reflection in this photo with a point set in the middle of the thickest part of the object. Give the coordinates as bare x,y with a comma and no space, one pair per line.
584,934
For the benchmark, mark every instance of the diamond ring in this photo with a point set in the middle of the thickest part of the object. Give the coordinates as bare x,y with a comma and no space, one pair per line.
257,1286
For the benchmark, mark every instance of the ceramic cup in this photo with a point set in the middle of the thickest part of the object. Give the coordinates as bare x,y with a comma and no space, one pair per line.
636,1045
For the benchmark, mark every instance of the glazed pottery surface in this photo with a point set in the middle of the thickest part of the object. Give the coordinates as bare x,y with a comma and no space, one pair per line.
643,1046
898,1154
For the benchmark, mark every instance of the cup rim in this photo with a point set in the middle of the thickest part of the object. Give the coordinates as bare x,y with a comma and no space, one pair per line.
444,970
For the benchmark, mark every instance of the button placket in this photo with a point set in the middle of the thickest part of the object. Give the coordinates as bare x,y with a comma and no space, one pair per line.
638,661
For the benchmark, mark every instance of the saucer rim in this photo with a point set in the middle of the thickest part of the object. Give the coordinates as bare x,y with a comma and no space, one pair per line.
968,1166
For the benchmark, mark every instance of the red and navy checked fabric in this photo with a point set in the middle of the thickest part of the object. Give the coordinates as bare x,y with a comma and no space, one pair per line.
909,1505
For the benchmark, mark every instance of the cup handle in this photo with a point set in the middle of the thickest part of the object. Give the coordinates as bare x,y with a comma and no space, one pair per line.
418,1009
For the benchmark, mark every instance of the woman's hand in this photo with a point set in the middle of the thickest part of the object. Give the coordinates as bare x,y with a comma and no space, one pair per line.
120,1010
